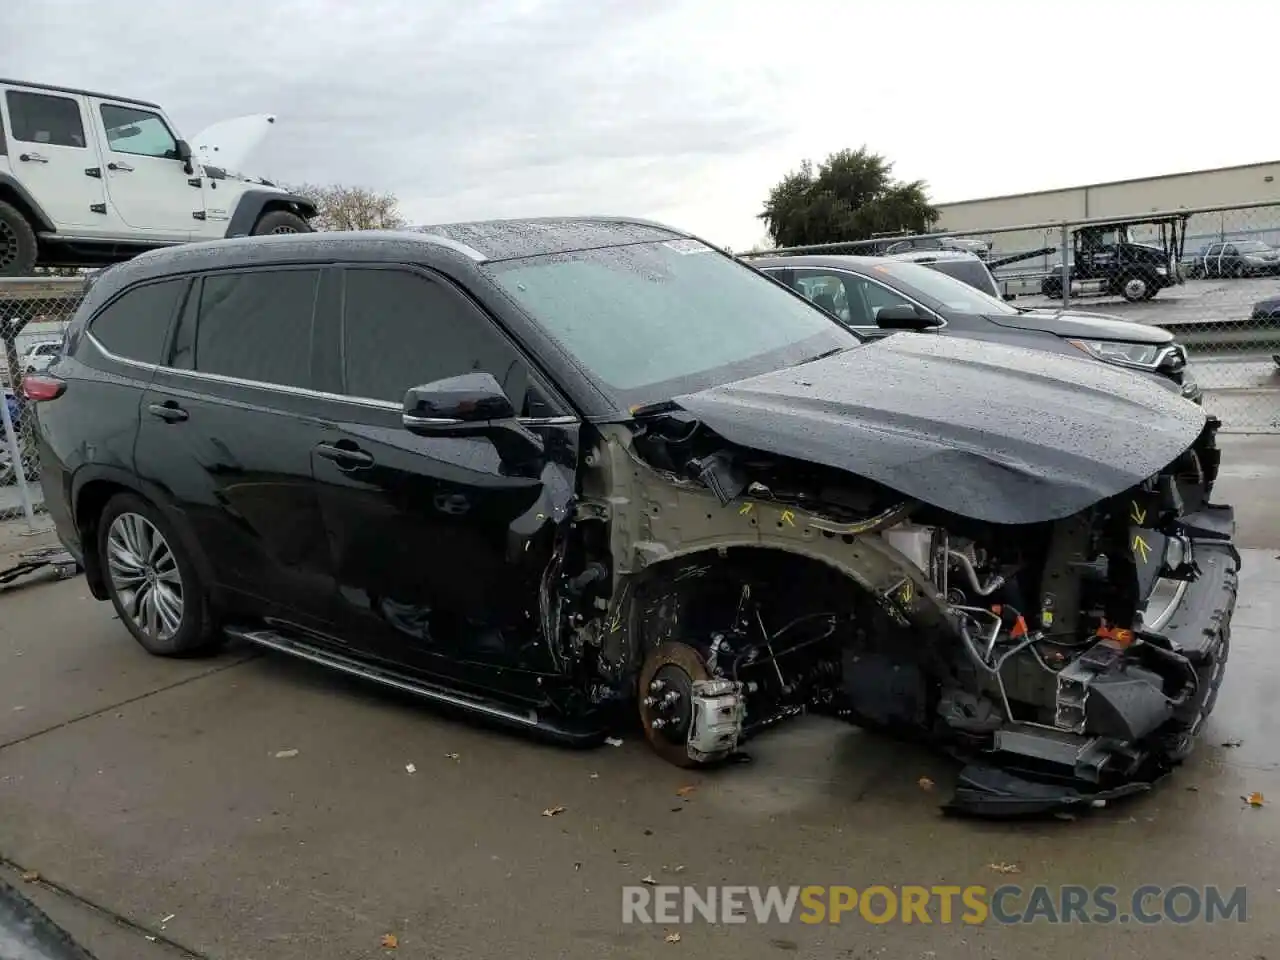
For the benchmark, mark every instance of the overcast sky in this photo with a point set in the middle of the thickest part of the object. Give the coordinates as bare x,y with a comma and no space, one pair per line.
681,110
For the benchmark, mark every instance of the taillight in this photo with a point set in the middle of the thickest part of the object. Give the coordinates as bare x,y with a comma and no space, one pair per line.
42,386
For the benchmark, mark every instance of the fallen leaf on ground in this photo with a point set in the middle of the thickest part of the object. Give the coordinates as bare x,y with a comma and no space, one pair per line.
577,864
410,768
1232,743
925,783
390,941
553,811
685,791
451,756
613,741
595,776
648,878
1005,867
1254,799
31,876
168,918
679,867
285,754
673,937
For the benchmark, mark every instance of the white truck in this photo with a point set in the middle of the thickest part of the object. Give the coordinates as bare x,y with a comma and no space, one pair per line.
89,179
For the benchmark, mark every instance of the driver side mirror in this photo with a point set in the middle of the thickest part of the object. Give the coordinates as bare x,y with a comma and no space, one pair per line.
184,154
471,405
904,316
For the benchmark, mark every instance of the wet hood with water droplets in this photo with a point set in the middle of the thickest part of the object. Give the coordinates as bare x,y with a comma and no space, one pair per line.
984,430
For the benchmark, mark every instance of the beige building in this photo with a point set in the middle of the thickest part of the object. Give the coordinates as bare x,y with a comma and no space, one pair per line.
1122,198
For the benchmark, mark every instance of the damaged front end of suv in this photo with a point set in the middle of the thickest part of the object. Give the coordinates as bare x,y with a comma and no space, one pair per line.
999,563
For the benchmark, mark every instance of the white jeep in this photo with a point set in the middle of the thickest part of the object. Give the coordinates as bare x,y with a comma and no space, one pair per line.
88,179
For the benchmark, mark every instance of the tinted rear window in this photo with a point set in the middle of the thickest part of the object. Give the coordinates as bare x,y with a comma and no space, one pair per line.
252,326
968,271
134,326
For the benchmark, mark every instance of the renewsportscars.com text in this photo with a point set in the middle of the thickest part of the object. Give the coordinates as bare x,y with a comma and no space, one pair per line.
970,905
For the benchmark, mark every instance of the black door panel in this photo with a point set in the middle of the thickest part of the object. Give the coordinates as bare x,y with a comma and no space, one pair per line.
238,468
438,546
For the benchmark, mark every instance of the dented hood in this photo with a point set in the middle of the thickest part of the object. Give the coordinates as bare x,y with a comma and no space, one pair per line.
984,430
229,144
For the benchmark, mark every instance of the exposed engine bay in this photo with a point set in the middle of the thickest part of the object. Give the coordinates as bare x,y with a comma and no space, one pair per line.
1066,662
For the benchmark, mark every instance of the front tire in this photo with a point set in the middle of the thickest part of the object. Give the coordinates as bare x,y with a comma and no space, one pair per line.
280,221
18,248
152,581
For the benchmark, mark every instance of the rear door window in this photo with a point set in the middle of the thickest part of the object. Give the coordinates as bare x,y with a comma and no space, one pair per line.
134,325
252,326
40,118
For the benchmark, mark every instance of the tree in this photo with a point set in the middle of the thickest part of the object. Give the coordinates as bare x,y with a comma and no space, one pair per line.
851,196
341,207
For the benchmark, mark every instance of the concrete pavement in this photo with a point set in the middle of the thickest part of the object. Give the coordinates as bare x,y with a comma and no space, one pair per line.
165,797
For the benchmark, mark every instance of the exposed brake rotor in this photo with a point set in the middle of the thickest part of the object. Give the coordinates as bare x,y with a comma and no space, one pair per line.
665,697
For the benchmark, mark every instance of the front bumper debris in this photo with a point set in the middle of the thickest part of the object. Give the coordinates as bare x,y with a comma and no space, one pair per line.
988,792
1029,782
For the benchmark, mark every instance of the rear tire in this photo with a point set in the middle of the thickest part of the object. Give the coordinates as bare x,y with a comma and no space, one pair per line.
280,221
18,247
152,581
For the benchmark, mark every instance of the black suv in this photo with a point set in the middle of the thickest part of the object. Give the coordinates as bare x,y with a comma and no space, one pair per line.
543,470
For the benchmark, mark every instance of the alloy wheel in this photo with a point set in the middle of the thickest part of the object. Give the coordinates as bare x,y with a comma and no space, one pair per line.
145,576
1135,288
285,229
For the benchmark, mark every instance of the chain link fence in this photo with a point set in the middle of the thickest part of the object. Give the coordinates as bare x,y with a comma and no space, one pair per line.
33,318
1210,275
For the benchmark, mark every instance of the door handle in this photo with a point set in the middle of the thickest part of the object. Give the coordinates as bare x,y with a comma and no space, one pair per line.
169,412
33,158
121,167
348,457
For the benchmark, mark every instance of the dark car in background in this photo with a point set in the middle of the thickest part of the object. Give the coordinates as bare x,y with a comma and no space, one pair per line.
1268,311
1237,258
879,296
564,473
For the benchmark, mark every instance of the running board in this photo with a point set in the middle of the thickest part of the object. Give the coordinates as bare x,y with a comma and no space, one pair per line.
525,719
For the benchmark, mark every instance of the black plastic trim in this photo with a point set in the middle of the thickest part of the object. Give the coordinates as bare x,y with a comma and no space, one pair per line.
251,204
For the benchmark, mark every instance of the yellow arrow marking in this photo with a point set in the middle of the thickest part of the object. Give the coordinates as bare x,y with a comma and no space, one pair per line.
1139,516
1142,547
744,509
788,517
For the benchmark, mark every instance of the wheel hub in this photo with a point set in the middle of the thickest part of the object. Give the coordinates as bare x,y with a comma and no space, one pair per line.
669,699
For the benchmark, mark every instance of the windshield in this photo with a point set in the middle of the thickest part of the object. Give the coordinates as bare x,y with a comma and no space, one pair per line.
650,321
1252,246
951,293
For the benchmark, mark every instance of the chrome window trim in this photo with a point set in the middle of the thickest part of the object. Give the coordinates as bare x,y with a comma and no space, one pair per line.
371,402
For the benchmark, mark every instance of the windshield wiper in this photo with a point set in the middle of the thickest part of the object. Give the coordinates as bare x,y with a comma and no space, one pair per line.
825,353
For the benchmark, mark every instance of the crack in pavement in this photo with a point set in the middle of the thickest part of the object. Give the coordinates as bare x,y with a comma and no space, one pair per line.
148,933
128,700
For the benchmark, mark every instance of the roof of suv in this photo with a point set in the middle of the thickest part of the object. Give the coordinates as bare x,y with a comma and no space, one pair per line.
77,92
484,241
